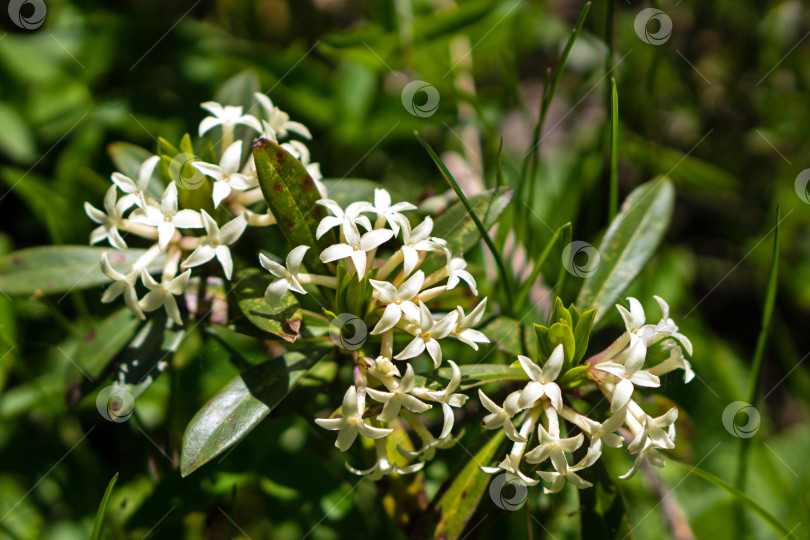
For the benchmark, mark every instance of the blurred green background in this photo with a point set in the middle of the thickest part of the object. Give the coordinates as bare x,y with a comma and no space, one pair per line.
722,107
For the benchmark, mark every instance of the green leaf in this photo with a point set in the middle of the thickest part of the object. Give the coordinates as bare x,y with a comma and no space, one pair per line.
506,332
582,334
457,503
238,407
282,319
562,334
744,499
55,269
102,510
614,149
128,157
16,137
348,190
628,244
603,513
291,194
104,341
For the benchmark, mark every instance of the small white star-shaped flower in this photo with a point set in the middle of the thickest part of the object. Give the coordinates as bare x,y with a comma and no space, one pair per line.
660,431
398,398
216,241
277,121
163,293
629,374
227,117
413,241
569,474
356,247
392,213
226,175
604,432
398,301
464,330
110,221
449,399
122,284
455,266
168,218
427,335
502,416
136,189
351,423
289,275
352,214
542,380
554,448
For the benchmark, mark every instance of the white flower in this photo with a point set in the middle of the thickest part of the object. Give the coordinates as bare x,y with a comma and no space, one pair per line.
455,266
629,374
448,399
554,448
110,221
502,417
649,451
356,247
136,190
351,423
633,319
511,464
392,213
168,219
398,301
604,432
558,478
352,215
216,241
289,275
227,117
226,175
659,431
428,334
464,330
163,293
122,283
277,121
398,398
384,467
542,380
414,241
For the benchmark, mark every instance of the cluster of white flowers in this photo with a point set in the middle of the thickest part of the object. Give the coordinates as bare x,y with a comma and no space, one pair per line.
616,371
150,211
400,294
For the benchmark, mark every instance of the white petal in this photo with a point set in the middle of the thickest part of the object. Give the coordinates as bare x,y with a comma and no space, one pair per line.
224,257
336,252
389,319
220,192
375,238
231,158
232,230
201,255
621,394
554,364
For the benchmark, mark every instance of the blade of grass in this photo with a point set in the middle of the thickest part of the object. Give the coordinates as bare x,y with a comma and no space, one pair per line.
741,497
759,352
507,282
613,208
98,525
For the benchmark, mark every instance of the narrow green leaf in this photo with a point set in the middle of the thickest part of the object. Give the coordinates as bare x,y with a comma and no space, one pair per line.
348,190
762,342
98,524
282,319
103,342
291,194
457,503
477,374
582,334
744,499
506,332
55,269
613,207
506,279
241,404
628,244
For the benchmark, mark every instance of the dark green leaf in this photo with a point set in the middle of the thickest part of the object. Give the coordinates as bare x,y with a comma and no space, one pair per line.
603,513
291,194
102,343
244,402
628,244
55,269
582,334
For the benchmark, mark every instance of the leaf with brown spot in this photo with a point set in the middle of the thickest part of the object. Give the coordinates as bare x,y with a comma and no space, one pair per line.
282,319
286,187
